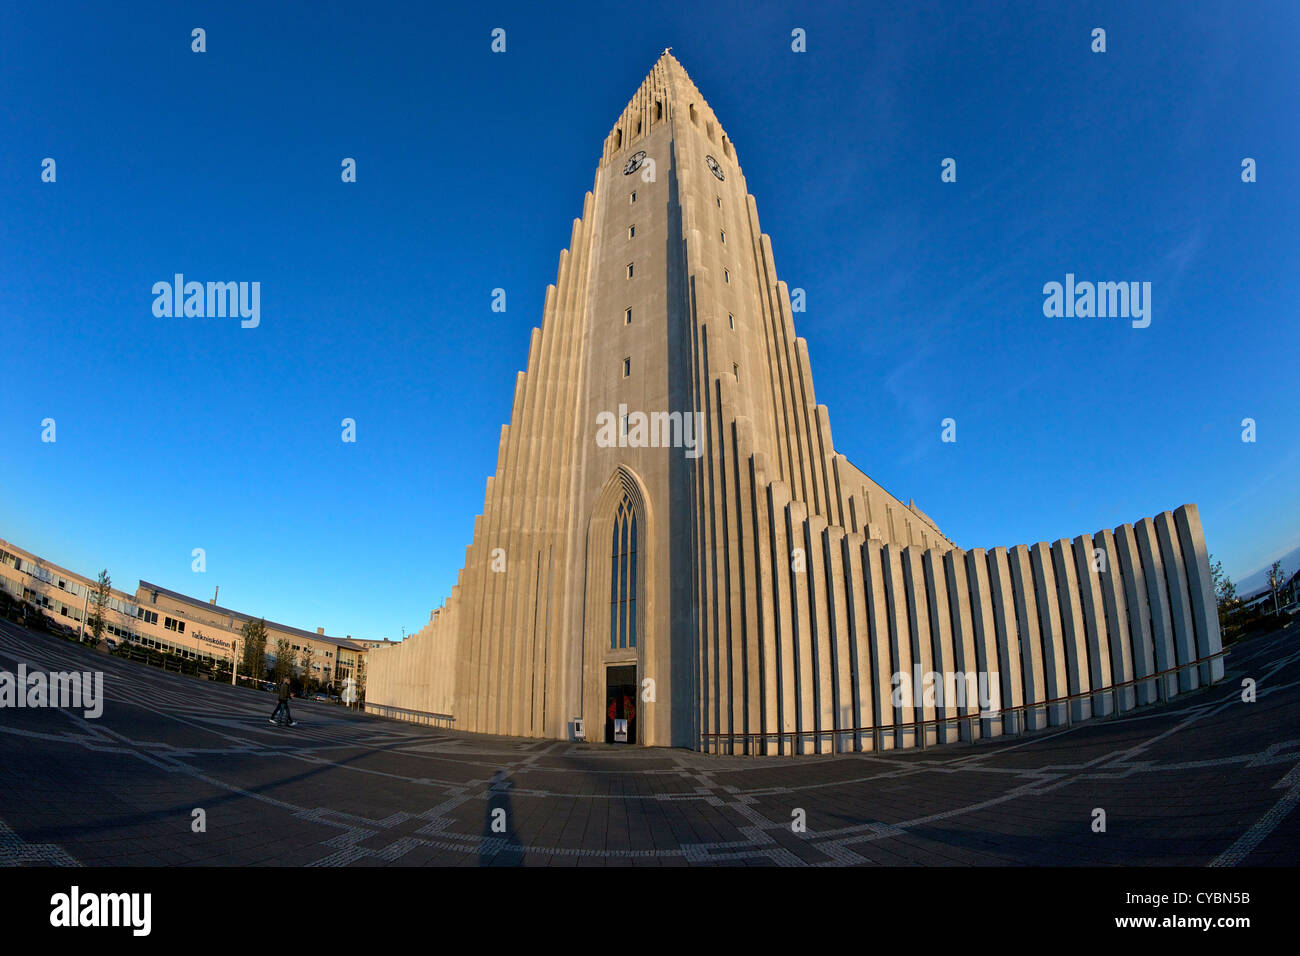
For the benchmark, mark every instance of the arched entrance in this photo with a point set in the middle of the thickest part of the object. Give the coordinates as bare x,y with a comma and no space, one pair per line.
615,639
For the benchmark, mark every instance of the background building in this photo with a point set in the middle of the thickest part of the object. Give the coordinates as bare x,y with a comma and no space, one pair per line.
167,620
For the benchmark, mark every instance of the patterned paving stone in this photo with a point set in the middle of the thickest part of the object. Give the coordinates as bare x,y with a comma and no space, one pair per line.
1206,779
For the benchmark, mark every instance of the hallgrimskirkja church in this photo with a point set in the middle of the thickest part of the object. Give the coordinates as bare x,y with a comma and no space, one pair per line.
672,552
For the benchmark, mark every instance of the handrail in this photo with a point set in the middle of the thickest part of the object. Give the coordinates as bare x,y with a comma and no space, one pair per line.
1001,714
425,717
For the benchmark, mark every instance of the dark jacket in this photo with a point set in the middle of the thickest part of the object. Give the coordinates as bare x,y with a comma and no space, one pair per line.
284,689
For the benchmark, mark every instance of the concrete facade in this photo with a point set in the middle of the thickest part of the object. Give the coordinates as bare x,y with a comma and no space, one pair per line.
772,591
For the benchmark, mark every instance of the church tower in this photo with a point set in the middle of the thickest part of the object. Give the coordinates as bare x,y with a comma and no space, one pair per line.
672,552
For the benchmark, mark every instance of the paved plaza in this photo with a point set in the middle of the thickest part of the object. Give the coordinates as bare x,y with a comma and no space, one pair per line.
1207,779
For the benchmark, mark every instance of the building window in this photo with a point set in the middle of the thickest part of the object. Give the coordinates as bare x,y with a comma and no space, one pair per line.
731,322
627,367
735,370
622,426
633,197
631,231
622,590
627,317
149,617
719,199
723,233
726,277
629,270
174,625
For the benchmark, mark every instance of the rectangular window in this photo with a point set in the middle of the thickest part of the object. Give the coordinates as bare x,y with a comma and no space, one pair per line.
719,198
735,370
629,270
627,367
726,276
631,232
731,321
633,199
627,317
174,625
724,236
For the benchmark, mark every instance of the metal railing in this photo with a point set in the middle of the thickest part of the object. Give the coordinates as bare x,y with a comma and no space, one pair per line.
1016,716
411,716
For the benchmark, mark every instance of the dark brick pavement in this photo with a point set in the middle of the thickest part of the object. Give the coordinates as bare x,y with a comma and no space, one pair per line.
1205,779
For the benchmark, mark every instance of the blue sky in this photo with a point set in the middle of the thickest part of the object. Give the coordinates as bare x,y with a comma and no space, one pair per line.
924,298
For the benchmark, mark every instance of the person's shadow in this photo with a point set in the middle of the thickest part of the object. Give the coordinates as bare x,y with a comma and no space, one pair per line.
499,845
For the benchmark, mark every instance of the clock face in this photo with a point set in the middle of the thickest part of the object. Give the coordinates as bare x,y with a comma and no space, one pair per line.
634,163
713,165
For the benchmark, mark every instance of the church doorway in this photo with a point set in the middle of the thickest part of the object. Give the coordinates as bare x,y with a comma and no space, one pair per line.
620,704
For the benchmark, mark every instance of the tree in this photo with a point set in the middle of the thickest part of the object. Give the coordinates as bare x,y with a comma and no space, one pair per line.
1276,578
283,659
1225,592
306,667
254,633
101,593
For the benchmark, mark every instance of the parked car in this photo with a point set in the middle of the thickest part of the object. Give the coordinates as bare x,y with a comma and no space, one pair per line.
323,697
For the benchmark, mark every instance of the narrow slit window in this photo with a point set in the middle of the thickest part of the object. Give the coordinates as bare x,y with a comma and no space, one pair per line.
629,270
627,367
627,317
622,583
632,198
731,321
726,276
631,232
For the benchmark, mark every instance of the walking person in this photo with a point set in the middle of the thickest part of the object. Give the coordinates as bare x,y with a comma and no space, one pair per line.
283,703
